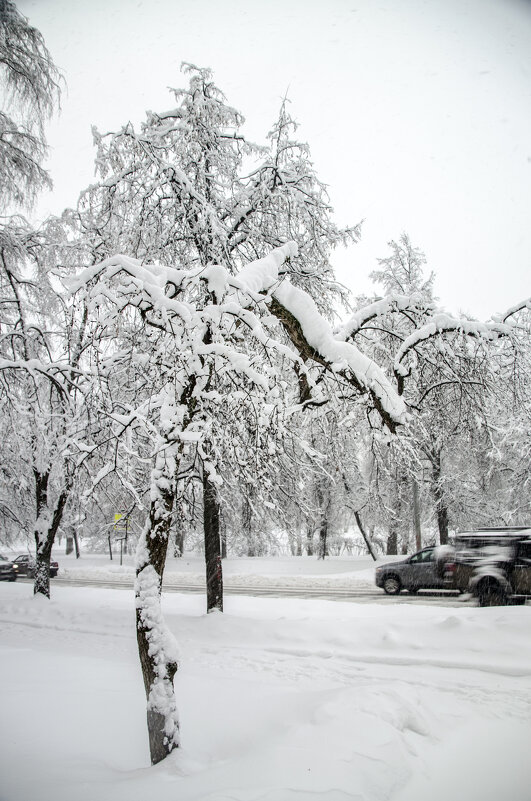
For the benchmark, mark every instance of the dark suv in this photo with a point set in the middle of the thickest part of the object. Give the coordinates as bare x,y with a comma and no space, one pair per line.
494,564
414,573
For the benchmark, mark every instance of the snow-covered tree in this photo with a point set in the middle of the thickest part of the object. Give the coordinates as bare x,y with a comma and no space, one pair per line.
30,83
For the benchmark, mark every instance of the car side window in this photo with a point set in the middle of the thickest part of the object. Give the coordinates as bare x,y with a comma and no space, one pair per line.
524,553
423,556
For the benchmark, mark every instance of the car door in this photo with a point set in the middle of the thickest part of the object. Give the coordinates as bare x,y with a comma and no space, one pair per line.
421,571
522,569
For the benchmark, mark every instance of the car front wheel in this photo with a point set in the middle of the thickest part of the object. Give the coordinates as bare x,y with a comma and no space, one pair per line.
392,585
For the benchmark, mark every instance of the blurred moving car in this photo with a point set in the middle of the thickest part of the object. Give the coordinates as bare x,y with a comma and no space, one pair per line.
25,564
414,573
8,571
494,564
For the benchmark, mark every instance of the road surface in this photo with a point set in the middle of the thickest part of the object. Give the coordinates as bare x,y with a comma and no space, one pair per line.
358,593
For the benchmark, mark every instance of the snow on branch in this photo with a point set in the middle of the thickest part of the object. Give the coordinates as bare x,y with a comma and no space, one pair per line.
260,282
343,358
312,334
379,308
442,323
525,304
147,283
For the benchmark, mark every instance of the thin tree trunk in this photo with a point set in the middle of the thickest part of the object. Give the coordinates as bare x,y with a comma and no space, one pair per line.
416,515
223,534
247,523
309,538
323,499
440,503
392,544
214,572
178,547
299,542
76,545
364,535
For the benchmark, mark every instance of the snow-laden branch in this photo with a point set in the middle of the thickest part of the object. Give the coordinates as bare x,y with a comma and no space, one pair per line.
524,304
379,308
260,282
311,333
442,323
150,281
343,358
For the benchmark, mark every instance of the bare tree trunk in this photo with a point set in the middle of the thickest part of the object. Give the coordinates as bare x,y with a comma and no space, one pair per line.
214,572
223,535
323,537
247,523
309,538
416,515
440,503
392,544
178,546
44,541
323,499
364,535
155,646
76,544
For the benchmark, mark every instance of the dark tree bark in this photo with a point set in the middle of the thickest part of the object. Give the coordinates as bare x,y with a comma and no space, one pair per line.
364,535
223,534
309,538
323,539
45,540
392,544
416,515
214,572
76,544
247,523
440,502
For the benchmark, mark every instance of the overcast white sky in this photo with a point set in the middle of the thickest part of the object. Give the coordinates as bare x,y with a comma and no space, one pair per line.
417,112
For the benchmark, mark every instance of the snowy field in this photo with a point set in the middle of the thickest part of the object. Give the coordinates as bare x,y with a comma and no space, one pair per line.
280,699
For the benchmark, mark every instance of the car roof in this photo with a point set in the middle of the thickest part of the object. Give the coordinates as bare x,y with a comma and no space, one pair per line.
518,532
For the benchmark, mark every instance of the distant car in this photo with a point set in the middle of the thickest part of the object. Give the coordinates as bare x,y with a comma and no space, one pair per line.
417,572
25,564
8,571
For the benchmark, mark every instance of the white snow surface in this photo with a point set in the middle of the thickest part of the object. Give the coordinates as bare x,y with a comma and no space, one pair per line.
280,699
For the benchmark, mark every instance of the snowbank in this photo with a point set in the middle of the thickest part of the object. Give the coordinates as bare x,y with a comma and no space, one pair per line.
280,700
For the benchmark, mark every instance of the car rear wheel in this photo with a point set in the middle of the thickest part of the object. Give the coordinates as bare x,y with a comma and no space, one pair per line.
392,585
491,593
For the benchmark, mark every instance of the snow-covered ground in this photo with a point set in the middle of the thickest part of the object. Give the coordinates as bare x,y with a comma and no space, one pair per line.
280,699
242,572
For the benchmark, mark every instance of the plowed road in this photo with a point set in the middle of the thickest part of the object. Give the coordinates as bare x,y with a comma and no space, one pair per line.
358,593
